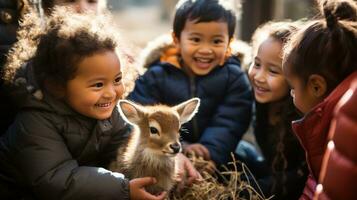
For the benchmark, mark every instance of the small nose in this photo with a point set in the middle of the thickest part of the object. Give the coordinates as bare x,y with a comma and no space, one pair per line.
259,75
109,92
175,147
205,51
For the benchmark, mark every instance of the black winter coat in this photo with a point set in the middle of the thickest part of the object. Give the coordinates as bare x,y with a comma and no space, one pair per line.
53,152
9,14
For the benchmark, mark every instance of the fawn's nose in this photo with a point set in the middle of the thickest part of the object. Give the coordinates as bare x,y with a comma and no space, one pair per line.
175,147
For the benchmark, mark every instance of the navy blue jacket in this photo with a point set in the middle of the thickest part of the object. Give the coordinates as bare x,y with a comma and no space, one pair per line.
226,101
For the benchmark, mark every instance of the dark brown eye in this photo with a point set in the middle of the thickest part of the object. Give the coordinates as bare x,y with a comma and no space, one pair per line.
153,130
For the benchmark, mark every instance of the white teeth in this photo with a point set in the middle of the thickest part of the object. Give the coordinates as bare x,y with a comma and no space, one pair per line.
261,89
204,60
103,104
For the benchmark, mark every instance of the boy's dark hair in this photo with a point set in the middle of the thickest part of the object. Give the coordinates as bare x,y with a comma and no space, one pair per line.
203,11
327,46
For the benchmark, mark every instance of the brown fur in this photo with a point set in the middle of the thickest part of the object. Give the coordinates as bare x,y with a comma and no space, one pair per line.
150,154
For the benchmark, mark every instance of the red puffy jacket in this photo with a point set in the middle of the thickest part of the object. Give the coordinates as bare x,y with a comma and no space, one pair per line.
313,130
338,176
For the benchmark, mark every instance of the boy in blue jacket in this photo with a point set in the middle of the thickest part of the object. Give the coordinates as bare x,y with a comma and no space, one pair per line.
198,61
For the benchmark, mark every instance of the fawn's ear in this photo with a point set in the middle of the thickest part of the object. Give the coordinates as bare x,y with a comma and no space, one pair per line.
130,112
187,109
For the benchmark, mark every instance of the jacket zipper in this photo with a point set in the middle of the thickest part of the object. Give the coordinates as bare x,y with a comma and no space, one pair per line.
194,120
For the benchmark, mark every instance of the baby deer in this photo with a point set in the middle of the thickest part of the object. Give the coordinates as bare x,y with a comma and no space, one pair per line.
154,141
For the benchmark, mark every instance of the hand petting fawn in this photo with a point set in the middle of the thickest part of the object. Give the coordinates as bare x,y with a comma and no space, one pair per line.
154,141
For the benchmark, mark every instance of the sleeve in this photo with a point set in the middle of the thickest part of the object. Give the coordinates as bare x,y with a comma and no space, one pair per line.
147,87
46,165
231,119
120,137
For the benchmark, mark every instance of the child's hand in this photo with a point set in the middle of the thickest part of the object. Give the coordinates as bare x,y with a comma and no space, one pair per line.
198,149
210,167
138,192
186,171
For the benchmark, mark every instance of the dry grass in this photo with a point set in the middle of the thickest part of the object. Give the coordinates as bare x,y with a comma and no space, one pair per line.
226,184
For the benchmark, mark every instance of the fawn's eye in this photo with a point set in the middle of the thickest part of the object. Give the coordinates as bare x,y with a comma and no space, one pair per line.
154,130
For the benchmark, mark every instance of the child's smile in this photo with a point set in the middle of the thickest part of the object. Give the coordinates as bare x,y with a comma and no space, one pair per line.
203,45
203,63
266,75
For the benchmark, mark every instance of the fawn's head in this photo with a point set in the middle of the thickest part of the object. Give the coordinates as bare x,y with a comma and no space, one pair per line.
159,124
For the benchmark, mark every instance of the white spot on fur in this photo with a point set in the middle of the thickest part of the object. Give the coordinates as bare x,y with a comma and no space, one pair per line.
155,124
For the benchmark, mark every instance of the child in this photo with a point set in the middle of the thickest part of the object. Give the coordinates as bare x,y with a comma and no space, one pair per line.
68,127
339,162
320,63
282,172
200,64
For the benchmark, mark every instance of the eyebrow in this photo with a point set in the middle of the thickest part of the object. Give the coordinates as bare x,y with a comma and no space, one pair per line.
120,74
199,34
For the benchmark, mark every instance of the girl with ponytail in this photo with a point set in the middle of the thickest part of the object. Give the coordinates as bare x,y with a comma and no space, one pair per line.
320,65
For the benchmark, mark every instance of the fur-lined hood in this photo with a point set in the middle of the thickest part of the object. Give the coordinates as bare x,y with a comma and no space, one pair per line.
18,75
163,48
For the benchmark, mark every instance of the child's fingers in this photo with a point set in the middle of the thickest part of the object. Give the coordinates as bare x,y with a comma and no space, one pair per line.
192,173
205,152
162,195
210,167
145,181
202,151
195,148
153,197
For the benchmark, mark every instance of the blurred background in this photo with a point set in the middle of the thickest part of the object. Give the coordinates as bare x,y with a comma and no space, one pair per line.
143,20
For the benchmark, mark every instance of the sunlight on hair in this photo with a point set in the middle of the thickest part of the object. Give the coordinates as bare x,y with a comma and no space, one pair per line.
102,6
180,2
234,5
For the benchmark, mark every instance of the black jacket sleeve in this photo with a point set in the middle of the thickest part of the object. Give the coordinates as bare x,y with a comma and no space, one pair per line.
45,164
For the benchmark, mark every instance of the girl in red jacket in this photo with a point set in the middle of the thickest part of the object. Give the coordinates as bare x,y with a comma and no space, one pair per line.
320,64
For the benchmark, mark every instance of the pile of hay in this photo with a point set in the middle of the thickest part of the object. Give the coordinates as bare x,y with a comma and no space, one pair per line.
226,184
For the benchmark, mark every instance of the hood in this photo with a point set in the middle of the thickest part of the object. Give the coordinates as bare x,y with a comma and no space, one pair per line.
163,49
26,93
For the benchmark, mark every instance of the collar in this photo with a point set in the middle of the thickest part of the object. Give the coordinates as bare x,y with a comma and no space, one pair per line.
312,130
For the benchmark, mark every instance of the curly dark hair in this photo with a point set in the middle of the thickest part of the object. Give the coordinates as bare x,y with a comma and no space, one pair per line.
65,40
326,46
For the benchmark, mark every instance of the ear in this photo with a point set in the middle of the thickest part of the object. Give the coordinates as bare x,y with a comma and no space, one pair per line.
176,40
132,113
317,85
187,109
